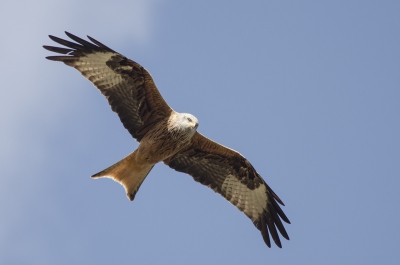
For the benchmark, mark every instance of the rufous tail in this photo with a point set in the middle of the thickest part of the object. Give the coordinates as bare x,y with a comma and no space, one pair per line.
127,173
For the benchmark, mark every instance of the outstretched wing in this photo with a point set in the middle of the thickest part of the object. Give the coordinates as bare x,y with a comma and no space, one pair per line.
129,87
230,174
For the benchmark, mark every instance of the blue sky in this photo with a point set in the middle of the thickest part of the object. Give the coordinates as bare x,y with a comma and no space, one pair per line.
308,91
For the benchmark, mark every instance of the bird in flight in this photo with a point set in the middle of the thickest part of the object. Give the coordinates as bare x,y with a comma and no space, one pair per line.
167,136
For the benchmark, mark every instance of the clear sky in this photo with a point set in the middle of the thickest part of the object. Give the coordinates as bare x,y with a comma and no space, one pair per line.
308,91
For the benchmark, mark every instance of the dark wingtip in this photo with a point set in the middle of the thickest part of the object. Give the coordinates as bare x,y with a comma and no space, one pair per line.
268,223
101,45
67,43
95,176
57,49
81,41
54,38
277,198
262,226
278,243
131,196
52,58
273,231
268,243
280,212
64,59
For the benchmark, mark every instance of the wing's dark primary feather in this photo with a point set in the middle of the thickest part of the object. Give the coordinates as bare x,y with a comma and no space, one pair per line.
128,87
228,173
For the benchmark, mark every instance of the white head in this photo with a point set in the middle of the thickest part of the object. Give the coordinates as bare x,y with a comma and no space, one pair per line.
185,122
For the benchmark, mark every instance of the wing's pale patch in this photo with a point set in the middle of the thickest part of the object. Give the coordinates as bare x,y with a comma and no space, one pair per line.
251,202
93,67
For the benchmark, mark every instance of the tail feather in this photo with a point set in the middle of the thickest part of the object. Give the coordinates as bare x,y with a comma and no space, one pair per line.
127,173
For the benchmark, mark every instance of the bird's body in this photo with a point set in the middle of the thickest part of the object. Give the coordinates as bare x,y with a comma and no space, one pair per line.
167,136
164,140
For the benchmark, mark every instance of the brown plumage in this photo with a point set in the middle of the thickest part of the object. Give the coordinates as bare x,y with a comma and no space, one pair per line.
168,136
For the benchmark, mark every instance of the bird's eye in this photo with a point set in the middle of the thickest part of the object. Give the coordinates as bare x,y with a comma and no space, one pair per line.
189,119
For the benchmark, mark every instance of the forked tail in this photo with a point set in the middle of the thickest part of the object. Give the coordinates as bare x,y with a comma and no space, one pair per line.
127,173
